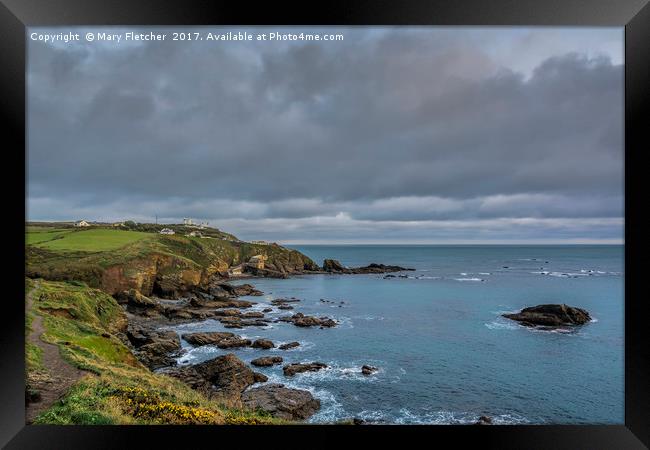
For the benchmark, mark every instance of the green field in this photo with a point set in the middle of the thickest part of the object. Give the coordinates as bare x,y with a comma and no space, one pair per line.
37,235
94,240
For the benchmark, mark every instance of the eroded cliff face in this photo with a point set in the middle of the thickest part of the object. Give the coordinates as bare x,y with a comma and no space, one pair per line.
166,266
163,275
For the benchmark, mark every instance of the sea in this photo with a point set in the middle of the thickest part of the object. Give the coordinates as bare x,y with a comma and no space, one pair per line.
444,353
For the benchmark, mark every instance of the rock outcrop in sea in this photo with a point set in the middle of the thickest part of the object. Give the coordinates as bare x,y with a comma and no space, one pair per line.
551,315
333,266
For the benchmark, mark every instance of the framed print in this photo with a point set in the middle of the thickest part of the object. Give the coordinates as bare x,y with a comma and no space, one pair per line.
418,219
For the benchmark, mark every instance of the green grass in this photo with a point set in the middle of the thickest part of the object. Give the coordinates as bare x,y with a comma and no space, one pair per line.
84,323
94,240
38,235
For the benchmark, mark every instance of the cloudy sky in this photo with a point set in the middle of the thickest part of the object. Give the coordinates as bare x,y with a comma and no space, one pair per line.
393,135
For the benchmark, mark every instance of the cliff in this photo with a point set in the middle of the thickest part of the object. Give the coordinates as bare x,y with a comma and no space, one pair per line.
115,260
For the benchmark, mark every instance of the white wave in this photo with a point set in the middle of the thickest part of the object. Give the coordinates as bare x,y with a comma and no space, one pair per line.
484,273
468,279
369,317
442,417
344,322
497,325
463,274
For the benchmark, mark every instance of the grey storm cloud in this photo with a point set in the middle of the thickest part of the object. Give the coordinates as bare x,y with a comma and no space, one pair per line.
389,128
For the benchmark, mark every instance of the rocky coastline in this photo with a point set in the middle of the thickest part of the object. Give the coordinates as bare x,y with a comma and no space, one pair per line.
227,378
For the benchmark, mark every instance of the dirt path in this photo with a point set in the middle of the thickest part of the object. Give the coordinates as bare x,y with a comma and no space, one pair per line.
60,375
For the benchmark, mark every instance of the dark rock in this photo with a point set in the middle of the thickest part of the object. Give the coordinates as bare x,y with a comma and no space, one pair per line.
368,370
253,315
208,338
133,297
229,375
289,345
267,310
219,303
267,273
263,343
281,402
300,320
285,307
260,377
228,312
160,351
294,368
192,378
234,342
333,266
550,316
282,301
219,289
266,361
484,420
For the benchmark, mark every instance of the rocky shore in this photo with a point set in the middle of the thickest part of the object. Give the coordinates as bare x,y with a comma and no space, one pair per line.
227,378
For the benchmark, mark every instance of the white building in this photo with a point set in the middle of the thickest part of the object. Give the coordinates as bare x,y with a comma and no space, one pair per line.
81,223
167,231
236,270
187,221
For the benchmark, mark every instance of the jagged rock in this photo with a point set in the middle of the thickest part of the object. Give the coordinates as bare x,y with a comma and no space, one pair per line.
282,301
289,345
267,310
158,349
133,297
228,312
229,375
253,315
300,320
484,420
266,361
218,289
263,343
285,307
208,338
260,377
368,370
333,266
234,342
267,273
294,368
550,316
281,402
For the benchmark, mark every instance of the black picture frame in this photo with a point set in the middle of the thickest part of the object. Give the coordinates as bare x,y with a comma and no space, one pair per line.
634,15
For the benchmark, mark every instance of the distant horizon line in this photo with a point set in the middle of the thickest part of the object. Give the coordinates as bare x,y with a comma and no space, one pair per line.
320,242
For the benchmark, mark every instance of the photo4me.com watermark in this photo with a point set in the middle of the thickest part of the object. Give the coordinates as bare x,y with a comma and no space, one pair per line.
182,36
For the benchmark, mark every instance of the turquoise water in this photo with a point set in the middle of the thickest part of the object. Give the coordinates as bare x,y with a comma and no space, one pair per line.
444,353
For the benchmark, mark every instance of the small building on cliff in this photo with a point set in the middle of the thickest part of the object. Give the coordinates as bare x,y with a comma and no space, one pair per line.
258,261
81,223
236,270
167,231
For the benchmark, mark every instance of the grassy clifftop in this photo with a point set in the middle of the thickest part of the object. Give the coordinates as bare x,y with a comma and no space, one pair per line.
86,324
118,259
